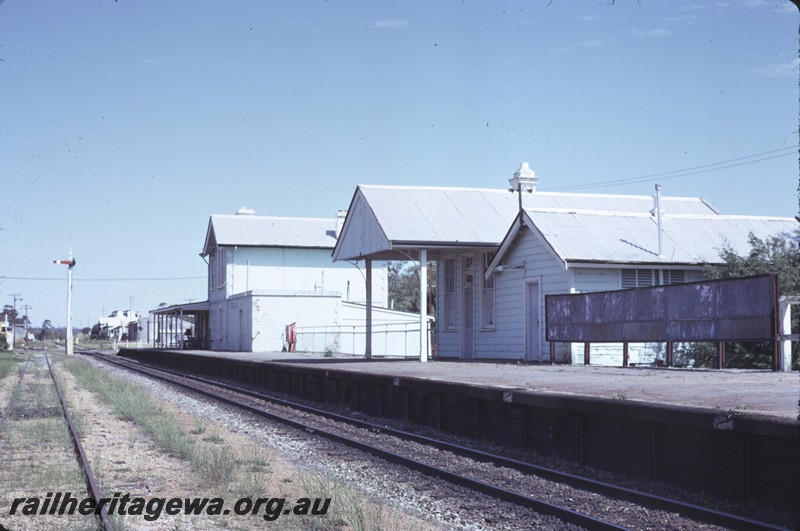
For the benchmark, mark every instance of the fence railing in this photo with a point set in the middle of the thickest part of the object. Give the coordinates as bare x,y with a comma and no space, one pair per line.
397,340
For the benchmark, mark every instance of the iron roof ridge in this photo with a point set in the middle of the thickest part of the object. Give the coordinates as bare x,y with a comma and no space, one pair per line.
730,217
666,215
282,218
418,187
584,211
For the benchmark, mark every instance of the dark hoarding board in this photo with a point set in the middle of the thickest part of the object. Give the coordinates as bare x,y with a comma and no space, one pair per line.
740,309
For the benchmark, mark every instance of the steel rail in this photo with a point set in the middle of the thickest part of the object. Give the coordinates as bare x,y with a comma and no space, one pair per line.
542,507
94,490
705,514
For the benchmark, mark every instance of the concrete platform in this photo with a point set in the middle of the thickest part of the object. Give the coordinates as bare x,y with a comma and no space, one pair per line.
757,393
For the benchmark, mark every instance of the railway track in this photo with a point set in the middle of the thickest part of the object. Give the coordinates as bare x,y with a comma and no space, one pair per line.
307,419
17,404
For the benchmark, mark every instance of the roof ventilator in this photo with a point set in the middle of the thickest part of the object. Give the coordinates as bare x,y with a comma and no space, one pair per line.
524,179
658,213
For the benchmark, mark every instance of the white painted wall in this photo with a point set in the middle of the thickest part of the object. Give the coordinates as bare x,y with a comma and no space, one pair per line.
507,340
448,342
256,321
264,289
364,235
292,269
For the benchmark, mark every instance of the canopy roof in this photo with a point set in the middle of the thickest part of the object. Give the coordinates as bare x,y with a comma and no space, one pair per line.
387,222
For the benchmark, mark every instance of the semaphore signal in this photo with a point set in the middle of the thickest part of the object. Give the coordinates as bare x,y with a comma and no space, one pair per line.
70,262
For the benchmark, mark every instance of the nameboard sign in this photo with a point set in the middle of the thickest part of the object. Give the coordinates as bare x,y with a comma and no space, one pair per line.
740,309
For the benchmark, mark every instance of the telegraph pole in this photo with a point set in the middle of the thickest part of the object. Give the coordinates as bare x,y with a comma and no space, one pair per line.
16,297
27,308
70,263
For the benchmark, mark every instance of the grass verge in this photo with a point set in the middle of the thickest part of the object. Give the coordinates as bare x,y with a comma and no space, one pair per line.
8,363
131,403
244,471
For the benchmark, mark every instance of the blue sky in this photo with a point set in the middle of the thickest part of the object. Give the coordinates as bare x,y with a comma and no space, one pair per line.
125,124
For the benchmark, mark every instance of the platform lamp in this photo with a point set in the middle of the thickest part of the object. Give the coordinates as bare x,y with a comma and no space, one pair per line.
524,179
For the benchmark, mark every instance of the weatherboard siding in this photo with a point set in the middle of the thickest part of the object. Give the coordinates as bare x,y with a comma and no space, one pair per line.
591,279
362,234
448,342
507,341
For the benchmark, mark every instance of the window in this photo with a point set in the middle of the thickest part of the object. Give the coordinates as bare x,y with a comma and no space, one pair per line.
487,294
674,276
642,278
449,294
216,265
212,270
639,278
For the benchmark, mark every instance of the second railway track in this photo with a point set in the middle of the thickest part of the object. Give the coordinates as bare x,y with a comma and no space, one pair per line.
581,501
36,397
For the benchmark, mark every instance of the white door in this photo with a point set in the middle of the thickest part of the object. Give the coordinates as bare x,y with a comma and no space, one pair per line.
533,341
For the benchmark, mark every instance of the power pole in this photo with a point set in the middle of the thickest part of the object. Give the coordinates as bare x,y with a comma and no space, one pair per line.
16,297
27,307
70,263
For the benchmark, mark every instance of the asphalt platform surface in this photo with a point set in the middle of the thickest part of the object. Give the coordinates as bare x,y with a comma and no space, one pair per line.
761,393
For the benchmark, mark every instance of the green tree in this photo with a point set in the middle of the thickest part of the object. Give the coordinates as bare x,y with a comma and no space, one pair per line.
404,287
778,255
10,313
47,331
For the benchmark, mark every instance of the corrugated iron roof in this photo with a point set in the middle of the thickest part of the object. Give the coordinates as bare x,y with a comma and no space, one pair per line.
266,231
468,215
633,238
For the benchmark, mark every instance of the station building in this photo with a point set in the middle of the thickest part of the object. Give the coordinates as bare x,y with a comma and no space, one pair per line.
499,252
272,285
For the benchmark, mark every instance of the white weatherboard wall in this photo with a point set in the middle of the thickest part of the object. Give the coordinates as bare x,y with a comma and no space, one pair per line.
540,266
532,263
367,237
266,288
448,341
256,321
297,269
507,339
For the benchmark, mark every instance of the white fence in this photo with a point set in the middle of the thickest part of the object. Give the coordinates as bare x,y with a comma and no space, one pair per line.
394,340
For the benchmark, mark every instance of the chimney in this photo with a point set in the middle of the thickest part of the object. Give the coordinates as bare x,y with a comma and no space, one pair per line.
524,179
340,216
244,211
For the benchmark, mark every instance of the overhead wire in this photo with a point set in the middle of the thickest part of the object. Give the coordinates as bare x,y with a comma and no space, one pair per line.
685,172
74,279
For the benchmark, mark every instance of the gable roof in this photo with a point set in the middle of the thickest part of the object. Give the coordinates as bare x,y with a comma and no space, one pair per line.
383,221
631,238
265,231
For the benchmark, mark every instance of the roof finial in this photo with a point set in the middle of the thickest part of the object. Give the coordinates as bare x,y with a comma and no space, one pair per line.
524,179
